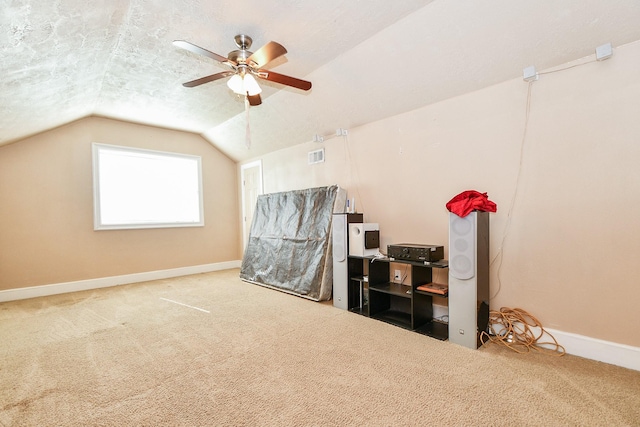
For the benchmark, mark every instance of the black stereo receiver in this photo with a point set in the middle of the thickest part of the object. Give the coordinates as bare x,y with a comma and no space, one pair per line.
415,252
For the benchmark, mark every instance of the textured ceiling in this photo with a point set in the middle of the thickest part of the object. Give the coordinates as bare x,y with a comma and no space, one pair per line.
67,59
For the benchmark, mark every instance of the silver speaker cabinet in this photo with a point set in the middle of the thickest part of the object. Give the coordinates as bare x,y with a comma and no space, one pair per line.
340,264
340,240
468,277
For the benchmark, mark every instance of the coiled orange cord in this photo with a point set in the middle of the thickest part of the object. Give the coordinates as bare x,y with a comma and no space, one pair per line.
512,328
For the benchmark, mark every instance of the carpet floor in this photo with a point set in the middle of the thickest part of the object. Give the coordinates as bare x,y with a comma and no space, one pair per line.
212,350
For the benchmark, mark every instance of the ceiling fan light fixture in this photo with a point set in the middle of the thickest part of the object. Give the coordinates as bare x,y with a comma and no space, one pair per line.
251,85
236,84
243,85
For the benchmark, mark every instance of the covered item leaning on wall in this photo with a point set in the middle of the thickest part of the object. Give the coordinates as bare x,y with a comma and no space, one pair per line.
289,245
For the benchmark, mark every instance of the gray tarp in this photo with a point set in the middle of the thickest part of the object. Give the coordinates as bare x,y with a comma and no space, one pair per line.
289,245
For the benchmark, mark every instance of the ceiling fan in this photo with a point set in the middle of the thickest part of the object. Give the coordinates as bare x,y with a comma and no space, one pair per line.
244,65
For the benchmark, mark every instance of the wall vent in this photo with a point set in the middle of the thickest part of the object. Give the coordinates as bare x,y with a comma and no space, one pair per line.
316,156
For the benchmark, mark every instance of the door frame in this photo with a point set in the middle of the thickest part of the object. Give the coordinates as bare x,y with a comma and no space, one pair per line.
245,227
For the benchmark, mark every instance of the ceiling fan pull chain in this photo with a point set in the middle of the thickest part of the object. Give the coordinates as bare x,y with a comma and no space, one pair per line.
246,115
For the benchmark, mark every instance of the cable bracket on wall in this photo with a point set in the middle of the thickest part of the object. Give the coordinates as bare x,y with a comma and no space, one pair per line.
322,138
530,74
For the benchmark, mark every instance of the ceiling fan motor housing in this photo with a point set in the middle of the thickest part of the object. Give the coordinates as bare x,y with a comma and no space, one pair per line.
239,56
243,41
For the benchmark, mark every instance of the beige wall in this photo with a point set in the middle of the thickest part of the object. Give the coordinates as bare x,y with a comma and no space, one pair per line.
565,241
46,207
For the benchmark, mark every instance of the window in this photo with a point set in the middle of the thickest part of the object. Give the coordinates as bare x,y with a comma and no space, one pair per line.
135,188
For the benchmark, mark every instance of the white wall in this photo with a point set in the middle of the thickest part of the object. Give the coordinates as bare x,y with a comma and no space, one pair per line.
565,240
46,206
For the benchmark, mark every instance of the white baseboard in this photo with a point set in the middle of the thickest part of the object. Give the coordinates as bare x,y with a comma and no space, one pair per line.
582,346
590,348
103,282
600,350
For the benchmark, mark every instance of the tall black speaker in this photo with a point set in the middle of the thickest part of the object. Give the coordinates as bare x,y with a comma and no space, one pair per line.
468,277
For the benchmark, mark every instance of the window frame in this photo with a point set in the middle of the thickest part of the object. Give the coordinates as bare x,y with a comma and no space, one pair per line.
98,222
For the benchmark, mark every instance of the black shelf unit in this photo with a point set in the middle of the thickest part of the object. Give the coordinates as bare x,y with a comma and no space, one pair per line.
372,294
357,292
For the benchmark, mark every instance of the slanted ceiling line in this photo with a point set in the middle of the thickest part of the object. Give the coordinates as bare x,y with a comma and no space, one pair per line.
126,24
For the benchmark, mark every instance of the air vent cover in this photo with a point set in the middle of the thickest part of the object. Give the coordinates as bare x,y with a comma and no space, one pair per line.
316,156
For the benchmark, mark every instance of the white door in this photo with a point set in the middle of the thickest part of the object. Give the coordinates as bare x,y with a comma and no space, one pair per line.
251,175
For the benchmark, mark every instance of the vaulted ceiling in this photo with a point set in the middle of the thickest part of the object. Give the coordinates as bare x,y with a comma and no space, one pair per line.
66,59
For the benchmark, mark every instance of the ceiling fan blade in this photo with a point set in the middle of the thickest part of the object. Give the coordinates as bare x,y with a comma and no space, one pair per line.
285,80
200,51
254,100
208,79
266,54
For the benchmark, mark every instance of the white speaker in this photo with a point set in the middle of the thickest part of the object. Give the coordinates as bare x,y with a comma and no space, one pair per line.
468,277
340,263
462,244
364,239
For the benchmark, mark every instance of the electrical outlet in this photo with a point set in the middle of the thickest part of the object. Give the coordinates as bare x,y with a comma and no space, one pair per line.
397,276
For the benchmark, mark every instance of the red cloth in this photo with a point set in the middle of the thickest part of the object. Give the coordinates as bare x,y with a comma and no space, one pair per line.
468,201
